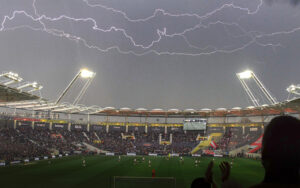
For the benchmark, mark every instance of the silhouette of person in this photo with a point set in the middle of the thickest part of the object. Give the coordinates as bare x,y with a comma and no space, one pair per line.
281,153
206,182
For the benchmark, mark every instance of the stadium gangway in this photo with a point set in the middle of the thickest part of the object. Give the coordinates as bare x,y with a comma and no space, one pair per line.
65,109
51,106
21,103
29,107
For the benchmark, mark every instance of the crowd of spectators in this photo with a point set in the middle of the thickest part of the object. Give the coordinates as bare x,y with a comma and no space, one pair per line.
25,142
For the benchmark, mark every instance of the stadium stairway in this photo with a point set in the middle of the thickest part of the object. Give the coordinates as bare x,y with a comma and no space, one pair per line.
85,135
93,148
96,135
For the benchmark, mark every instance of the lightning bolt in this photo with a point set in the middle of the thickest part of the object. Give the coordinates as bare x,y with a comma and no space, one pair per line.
147,49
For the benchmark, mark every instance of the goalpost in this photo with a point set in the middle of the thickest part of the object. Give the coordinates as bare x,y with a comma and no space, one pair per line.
144,182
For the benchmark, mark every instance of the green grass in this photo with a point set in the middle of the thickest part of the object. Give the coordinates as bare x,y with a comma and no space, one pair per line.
100,170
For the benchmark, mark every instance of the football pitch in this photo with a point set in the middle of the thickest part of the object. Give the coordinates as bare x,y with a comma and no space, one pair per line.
101,170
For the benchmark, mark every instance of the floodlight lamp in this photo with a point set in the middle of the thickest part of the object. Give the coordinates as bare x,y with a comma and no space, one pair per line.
245,75
291,88
36,86
13,76
84,73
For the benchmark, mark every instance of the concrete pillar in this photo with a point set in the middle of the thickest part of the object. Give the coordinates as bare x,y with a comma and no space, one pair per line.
15,124
88,123
69,126
107,128
146,129
160,138
32,124
166,129
243,130
126,128
88,127
50,125
171,138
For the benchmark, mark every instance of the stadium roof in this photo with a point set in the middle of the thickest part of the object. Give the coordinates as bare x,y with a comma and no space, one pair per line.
291,106
10,94
14,93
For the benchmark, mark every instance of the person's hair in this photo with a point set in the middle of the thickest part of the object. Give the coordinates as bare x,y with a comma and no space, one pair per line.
281,147
200,183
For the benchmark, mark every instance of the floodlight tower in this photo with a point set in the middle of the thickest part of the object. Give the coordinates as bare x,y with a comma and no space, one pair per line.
90,76
248,74
294,89
84,73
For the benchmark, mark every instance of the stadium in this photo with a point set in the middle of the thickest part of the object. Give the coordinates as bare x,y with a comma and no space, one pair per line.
164,94
123,147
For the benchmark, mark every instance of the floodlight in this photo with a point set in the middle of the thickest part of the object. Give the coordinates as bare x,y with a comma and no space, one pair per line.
291,88
14,77
36,86
84,73
245,75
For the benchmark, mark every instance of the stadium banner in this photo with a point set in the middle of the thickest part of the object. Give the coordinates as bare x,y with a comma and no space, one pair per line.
66,154
2,164
60,126
208,152
45,157
217,155
253,129
57,136
36,159
15,162
139,129
110,154
196,155
26,160
117,128
174,155
53,156
78,127
24,123
215,130
153,154
147,144
41,125
174,129
77,152
60,155
99,128
157,129
131,154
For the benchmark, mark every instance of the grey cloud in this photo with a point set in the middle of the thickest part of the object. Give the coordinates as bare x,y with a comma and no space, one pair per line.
292,2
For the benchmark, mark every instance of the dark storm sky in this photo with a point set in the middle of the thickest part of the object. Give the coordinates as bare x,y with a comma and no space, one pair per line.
153,54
